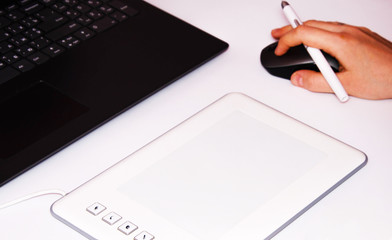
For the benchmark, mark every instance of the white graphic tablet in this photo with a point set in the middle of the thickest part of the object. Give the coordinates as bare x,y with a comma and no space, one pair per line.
238,169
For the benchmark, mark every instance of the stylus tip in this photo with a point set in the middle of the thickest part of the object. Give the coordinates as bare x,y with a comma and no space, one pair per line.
284,4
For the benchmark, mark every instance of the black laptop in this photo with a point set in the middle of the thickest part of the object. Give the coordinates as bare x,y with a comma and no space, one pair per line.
68,66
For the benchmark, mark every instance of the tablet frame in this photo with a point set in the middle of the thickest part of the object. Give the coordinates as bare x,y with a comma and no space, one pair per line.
342,161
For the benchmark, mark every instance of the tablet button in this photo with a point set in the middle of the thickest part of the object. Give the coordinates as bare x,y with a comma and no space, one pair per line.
111,218
127,228
144,236
96,209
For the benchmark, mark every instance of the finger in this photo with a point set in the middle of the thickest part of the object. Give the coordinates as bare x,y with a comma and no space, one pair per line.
328,26
315,24
315,82
341,27
310,80
322,25
310,36
279,32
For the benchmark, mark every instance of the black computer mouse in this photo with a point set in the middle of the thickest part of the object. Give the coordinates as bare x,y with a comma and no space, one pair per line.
296,58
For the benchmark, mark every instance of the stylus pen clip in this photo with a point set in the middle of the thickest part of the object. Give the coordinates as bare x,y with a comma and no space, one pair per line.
317,57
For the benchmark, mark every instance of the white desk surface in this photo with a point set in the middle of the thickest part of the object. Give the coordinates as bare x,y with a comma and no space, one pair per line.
361,208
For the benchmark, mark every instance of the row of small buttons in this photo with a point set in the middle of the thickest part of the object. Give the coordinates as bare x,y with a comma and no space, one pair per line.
111,218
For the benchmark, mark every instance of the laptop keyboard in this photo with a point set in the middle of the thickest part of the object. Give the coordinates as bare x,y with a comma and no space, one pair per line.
34,31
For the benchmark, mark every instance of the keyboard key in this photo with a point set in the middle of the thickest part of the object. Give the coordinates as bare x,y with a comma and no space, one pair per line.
59,7
72,14
7,73
83,8
51,23
24,2
5,47
63,31
40,42
47,2
69,42
94,3
84,20
106,9
103,24
10,57
4,35
94,14
84,34
53,50
47,14
11,7
15,28
32,33
15,15
32,8
18,40
123,7
70,2
23,65
38,58
119,16
29,21
24,50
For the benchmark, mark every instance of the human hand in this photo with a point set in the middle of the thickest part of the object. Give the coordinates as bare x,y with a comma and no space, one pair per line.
365,57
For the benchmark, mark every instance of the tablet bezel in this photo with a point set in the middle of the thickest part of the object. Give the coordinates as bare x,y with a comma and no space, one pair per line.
264,223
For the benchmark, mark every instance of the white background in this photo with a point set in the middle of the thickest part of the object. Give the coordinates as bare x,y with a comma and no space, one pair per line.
361,208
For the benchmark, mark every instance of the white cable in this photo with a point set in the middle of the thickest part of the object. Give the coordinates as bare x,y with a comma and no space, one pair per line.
32,195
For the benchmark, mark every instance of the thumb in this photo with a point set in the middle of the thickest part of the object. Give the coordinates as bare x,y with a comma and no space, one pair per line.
310,80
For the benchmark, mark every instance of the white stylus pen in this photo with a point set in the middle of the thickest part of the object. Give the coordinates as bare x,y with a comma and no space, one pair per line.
317,57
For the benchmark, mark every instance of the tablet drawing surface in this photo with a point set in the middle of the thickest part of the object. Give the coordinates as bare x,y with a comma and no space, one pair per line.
216,171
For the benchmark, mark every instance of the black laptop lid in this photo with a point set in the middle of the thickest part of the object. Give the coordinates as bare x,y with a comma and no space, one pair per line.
60,101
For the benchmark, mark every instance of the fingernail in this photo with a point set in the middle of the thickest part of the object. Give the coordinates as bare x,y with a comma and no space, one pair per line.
297,80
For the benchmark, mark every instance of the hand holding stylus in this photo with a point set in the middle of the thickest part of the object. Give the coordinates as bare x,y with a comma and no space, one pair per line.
364,56
319,59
